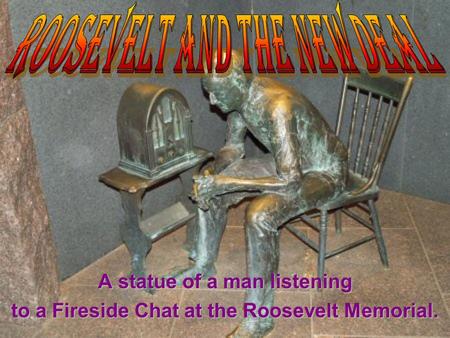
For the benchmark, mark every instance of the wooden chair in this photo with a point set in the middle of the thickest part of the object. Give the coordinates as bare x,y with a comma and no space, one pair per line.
369,132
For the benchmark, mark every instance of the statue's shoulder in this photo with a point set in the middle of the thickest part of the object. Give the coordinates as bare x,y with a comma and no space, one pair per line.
277,93
277,90
270,85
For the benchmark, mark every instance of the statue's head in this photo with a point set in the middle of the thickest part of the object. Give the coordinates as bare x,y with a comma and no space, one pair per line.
227,90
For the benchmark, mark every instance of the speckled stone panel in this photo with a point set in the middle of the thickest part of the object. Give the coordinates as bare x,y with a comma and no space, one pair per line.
27,254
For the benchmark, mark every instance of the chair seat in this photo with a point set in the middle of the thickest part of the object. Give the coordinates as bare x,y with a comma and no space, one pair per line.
347,197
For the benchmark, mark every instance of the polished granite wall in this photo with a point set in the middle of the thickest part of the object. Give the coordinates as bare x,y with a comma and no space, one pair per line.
28,271
73,119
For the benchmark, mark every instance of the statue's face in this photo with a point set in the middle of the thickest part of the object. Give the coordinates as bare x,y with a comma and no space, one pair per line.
223,92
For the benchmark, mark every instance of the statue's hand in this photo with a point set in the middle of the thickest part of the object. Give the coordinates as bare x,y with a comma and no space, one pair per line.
205,189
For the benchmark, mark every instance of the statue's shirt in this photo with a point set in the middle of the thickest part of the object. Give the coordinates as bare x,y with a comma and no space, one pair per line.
292,129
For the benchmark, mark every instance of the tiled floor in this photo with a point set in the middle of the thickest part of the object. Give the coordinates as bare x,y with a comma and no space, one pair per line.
417,234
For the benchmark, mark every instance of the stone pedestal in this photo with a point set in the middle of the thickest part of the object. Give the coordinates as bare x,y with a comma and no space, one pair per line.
28,273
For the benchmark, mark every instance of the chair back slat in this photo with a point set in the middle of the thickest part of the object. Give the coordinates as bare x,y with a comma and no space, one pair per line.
341,106
392,128
375,124
384,130
363,131
373,132
353,123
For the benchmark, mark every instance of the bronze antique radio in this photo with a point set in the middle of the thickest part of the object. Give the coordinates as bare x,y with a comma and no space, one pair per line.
154,126
155,130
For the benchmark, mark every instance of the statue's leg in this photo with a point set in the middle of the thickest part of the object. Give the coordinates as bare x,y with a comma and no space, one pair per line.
210,227
265,215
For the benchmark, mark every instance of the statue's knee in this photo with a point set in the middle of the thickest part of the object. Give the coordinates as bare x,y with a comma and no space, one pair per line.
252,213
259,219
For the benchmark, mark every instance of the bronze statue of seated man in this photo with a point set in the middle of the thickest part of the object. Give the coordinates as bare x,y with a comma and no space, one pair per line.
305,167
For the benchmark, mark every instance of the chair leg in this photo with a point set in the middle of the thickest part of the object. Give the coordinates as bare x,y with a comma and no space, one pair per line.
378,234
338,221
322,243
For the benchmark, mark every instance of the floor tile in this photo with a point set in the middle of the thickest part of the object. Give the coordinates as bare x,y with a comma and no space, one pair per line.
392,212
236,215
168,254
447,301
232,254
432,220
121,327
208,327
402,288
291,327
9,330
295,256
402,245
409,279
340,336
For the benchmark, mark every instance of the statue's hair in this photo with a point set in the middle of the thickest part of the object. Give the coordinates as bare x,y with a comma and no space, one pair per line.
234,73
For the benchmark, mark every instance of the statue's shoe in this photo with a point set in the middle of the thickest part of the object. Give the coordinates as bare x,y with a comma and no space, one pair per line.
242,332
192,271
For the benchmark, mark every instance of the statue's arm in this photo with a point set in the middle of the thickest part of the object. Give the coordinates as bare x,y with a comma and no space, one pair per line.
234,146
286,151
